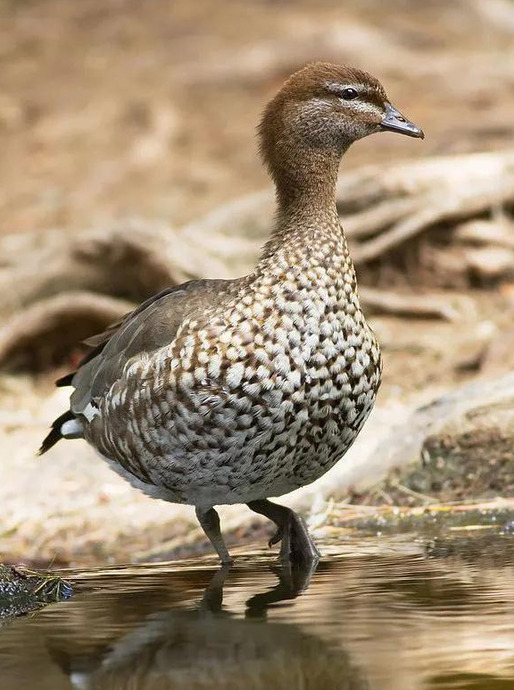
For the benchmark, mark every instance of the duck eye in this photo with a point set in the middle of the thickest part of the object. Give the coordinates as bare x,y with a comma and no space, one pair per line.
349,94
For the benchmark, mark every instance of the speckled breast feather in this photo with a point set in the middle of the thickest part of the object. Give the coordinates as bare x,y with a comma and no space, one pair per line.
257,395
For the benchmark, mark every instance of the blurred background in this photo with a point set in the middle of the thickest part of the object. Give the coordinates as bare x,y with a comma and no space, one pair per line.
129,162
148,108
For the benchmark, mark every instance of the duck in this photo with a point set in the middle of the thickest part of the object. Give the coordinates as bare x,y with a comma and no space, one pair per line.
218,392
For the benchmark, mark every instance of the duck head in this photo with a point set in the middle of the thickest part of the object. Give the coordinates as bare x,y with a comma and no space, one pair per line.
319,112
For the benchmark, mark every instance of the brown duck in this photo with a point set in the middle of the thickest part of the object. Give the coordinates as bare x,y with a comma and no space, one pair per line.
216,392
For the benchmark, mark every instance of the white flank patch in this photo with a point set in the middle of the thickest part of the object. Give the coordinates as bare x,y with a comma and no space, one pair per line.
72,429
90,412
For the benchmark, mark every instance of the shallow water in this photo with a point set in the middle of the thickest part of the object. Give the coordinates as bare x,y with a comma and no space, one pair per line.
380,613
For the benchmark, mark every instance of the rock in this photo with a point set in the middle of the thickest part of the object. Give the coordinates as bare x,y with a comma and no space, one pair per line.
463,445
471,457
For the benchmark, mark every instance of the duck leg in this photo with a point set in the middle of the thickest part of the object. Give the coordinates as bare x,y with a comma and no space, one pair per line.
210,523
297,544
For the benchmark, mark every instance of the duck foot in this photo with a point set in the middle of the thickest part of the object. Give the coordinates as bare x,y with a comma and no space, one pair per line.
297,545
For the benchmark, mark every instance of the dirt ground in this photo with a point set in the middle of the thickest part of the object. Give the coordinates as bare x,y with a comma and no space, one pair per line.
146,110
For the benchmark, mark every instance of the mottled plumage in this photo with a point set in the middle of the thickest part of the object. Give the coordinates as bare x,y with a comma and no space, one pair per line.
218,392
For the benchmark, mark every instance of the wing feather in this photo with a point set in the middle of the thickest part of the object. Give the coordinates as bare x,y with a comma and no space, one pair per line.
151,326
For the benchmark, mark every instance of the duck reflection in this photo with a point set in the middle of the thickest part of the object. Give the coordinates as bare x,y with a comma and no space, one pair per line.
206,646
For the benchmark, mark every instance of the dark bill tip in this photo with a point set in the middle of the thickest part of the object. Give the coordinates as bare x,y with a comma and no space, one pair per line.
394,121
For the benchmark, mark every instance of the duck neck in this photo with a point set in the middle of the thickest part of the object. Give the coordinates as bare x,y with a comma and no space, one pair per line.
307,230
307,191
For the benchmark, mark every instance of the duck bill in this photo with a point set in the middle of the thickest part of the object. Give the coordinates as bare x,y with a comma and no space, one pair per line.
394,121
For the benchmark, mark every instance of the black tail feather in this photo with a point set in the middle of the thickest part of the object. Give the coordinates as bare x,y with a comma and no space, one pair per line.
65,380
55,432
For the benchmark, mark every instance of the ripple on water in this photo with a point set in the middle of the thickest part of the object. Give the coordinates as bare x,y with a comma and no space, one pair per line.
393,613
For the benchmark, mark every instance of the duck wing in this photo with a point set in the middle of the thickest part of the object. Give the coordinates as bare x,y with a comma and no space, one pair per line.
149,327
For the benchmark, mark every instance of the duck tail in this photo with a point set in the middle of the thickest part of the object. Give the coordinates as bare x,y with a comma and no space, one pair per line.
65,426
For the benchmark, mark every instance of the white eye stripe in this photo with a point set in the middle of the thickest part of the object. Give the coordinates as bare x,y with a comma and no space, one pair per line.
359,104
363,107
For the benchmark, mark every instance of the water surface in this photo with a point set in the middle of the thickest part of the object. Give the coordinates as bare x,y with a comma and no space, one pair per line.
387,612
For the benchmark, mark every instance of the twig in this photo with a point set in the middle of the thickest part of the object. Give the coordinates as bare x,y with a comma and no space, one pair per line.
414,494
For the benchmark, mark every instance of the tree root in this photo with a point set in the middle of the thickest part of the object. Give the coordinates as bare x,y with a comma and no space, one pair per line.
45,333
421,306
412,221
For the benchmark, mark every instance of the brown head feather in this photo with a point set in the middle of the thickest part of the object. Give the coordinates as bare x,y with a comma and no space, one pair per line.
307,126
